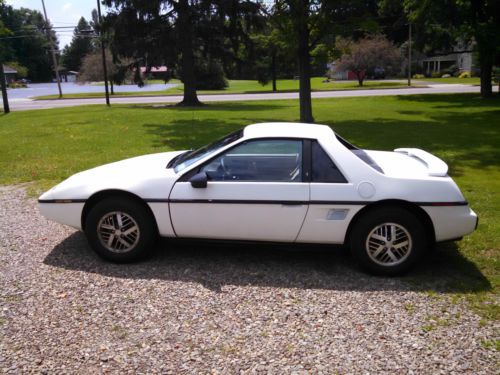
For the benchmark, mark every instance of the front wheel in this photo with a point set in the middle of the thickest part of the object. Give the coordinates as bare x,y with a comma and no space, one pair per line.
120,230
388,240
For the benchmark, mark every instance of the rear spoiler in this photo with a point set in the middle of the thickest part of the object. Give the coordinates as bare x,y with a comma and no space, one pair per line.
436,166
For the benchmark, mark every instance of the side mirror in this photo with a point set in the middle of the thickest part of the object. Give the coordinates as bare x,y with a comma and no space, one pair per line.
199,180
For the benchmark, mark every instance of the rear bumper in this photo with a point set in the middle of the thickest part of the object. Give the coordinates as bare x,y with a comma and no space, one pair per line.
451,222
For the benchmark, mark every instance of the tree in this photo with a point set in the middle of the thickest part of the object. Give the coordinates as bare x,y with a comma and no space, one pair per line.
3,33
29,45
176,33
444,22
314,21
272,52
80,45
91,69
367,54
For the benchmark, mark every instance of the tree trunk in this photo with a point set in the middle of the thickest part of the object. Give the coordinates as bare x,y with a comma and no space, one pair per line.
486,58
6,108
360,77
304,62
187,59
273,70
112,87
486,88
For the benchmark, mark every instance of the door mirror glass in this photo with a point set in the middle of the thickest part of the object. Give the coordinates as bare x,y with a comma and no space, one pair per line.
199,180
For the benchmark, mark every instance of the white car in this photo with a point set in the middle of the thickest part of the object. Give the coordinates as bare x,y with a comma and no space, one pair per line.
277,182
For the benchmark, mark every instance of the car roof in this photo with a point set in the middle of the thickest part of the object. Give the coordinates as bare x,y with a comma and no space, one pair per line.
287,129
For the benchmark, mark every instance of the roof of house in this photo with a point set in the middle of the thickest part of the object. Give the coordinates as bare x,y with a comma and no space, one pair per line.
8,70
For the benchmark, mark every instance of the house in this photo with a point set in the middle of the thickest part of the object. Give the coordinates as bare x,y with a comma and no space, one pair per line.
155,72
10,74
461,57
340,75
68,75
464,61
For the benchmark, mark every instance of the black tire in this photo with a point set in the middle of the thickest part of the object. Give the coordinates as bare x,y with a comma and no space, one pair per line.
377,256
133,214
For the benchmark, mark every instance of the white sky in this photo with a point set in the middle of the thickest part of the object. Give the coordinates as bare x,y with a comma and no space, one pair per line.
61,13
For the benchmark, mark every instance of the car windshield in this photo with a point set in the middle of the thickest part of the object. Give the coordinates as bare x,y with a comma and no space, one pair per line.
184,160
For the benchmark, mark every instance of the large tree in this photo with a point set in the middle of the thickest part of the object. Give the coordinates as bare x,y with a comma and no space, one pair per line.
178,34
28,45
444,22
314,21
80,45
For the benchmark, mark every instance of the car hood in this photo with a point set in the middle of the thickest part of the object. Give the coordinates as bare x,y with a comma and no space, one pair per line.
146,176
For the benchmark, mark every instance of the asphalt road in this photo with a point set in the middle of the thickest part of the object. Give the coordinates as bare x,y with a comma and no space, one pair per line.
27,104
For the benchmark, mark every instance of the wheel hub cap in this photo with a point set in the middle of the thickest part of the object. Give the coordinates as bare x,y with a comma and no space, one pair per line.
389,244
118,232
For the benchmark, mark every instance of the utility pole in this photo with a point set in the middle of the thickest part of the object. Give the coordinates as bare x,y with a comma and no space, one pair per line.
54,59
104,68
409,54
6,108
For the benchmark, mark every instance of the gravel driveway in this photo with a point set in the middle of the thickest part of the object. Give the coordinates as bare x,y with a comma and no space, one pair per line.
194,308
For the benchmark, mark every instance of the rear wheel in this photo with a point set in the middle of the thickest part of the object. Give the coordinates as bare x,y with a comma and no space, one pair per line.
120,230
388,240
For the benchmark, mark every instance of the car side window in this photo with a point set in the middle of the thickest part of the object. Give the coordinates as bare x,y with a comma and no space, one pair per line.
323,167
266,160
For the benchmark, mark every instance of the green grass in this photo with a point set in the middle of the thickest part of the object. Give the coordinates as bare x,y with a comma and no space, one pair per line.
47,146
463,81
248,87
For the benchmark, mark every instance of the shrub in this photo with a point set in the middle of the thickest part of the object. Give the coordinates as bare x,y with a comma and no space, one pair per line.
464,74
210,76
418,76
436,74
17,85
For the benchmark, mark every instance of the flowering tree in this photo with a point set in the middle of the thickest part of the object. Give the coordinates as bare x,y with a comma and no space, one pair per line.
367,54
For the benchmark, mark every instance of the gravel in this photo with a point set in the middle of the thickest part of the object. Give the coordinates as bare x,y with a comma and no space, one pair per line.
218,309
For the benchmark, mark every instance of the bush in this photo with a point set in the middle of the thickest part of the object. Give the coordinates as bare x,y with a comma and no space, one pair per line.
210,76
436,75
465,74
418,76
17,85
496,74
453,71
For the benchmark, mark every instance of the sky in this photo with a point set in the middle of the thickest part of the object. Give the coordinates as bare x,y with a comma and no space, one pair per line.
61,13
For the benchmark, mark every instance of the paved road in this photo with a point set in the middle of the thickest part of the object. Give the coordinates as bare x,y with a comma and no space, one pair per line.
27,104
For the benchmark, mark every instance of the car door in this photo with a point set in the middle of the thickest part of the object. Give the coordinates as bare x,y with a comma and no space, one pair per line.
255,191
331,207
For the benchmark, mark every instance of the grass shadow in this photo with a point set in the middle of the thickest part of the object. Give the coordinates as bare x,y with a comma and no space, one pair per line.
215,265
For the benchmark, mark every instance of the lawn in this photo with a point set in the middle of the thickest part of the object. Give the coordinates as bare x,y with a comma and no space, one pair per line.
248,87
463,81
47,146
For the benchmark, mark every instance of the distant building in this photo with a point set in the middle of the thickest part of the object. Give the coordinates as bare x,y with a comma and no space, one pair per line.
461,57
156,72
10,74
68,75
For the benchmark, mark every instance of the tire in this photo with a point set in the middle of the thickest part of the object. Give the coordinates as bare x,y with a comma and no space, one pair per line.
372,243
120,230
